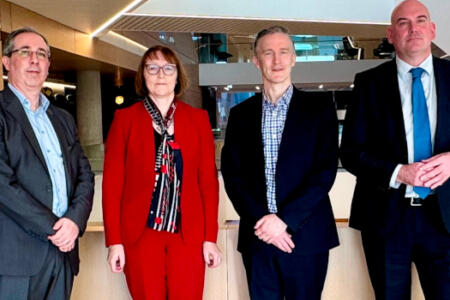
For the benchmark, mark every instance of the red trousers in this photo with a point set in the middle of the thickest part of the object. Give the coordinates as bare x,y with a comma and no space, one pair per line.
161,266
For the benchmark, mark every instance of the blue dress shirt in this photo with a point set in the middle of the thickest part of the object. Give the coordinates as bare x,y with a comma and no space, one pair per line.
50,147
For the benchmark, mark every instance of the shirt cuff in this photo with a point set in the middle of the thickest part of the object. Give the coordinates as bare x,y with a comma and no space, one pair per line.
393,183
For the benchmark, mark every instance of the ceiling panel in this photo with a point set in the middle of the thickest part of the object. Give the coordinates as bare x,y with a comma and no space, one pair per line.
242,26
83,15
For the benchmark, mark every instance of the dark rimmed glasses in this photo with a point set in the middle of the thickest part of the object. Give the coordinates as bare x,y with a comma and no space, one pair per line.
26,53
168,69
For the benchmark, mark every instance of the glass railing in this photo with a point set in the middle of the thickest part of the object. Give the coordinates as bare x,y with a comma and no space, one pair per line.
222,48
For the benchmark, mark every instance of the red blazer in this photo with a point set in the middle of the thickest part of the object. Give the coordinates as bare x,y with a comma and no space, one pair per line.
129,175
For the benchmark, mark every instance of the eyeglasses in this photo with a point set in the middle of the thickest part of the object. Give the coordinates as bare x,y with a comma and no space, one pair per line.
26,53
168,69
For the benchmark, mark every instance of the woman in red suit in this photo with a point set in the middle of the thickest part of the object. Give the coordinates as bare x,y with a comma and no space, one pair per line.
160,188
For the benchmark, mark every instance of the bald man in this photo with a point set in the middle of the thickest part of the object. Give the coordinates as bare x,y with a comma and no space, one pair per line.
396,141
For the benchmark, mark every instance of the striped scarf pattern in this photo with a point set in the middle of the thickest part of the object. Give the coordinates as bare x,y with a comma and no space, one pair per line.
165,210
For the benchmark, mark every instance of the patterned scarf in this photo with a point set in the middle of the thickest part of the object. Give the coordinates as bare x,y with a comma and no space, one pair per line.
165,206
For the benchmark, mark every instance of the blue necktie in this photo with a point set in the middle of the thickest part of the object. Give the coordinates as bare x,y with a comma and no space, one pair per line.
421,123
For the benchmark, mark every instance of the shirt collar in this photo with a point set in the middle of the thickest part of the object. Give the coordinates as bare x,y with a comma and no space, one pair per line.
43,101
403,67
284,100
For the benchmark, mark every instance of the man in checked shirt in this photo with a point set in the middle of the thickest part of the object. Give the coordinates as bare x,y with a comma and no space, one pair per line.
279,162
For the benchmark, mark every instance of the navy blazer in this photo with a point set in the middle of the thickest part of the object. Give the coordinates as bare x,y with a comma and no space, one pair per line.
26,197
306,169
374,143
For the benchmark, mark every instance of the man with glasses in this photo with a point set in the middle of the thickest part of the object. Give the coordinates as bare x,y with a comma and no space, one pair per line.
279,162
396,141
46,185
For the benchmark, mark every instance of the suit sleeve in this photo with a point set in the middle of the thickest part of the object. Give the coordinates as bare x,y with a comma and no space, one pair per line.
236,185
113,179
29,213
207,178
80,204
357,151
321,177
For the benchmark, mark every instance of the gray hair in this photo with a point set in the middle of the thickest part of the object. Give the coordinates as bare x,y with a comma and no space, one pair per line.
9,43
271,30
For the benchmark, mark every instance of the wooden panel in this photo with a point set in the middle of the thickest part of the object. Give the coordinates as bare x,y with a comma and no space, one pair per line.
58,35
216,279
5,16
95,280
237,280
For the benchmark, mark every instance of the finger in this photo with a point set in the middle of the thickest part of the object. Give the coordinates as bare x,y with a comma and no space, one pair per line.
431,163
260,222
216,261
206,257
122,261
58,224
431,173
282,246
435,182
115,264
289,241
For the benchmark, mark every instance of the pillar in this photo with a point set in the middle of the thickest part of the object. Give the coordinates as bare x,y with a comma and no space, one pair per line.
89,117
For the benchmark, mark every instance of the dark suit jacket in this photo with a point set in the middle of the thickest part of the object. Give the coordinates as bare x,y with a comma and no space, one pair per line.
26,217
306,169
374,142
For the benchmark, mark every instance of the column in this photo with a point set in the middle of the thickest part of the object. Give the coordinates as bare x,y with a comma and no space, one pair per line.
89,117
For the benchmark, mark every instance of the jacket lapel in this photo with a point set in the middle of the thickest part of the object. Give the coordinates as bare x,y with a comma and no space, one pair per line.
389,85
255,135
17,111
443,105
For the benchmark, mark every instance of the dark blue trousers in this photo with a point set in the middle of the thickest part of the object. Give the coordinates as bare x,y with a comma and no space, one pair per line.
276,275
53,282
420,239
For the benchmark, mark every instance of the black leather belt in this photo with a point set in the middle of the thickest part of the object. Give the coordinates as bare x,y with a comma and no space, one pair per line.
414,201
419,201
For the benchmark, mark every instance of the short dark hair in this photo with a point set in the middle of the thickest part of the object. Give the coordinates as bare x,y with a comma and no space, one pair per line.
171,57
270,30
9,43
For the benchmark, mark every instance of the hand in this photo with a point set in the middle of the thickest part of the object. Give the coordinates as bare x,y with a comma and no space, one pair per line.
68,248
116,258
211,254
66,234
284,242
411,174
269,227
437,170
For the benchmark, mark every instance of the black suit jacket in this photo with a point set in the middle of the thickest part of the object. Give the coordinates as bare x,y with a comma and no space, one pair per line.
374,142
306,169
26,217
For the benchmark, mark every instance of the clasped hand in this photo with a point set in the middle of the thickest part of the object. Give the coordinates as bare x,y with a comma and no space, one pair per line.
432,172
66,234
272,230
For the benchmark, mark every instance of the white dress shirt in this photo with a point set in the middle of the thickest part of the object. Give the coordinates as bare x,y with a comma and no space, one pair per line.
405,85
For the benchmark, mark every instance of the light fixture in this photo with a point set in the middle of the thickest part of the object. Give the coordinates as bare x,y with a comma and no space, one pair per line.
352,85
53,85
257,88
320,86
116,16
119,100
